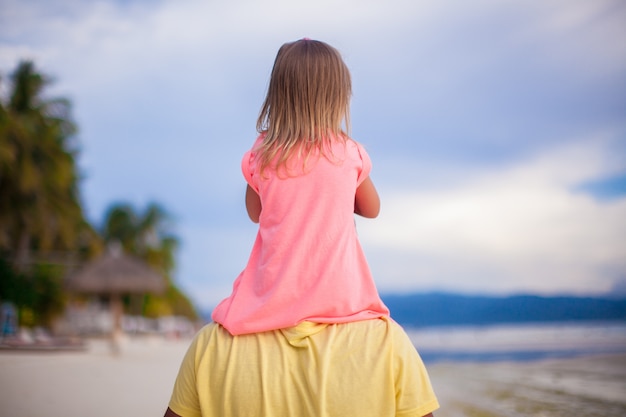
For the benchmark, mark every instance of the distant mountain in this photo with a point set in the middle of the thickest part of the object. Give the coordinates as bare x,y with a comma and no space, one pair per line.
441,309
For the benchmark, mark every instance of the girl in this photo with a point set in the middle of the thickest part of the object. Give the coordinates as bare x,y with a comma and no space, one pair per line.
306,178
304,332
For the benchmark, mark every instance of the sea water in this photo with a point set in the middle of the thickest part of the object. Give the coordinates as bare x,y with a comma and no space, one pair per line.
518,342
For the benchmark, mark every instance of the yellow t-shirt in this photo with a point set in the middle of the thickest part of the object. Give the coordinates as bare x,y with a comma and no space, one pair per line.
364,368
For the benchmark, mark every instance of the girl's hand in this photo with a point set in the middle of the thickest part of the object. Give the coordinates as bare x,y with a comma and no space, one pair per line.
366,200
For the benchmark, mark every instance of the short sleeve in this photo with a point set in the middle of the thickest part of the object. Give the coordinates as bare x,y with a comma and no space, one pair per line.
366,164
249,164
414,392
184,400
247,168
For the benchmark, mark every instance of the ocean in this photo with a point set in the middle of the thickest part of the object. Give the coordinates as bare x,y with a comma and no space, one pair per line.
518,342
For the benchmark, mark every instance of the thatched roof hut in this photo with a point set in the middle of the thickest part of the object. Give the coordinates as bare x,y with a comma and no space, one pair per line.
116,274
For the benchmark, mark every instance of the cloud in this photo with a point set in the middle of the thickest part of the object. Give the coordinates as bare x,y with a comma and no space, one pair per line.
521,228
473,113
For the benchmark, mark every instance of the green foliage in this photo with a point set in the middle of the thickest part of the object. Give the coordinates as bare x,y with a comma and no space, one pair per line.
41,213
147,235
39,201
156,306
173,302
12,285
38,296
181,306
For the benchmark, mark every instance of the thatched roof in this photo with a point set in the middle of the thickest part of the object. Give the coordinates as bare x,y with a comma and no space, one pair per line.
116,274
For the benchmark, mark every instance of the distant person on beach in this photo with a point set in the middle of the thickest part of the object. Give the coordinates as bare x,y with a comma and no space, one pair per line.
304,331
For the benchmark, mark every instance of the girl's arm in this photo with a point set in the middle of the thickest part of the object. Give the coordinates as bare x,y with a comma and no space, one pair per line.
366,200
253,204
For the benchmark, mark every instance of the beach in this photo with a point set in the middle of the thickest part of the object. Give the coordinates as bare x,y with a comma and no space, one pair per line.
138,382
587,386
91,383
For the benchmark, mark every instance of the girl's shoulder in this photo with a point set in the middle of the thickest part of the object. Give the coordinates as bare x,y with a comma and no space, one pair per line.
258,142
353,142
356,146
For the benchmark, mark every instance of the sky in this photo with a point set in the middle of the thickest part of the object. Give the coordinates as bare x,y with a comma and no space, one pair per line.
497,129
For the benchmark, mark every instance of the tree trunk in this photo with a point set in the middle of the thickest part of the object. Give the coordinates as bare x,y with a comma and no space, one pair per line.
116,333
22,253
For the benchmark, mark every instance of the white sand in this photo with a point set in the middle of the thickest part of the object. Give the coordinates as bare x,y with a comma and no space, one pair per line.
94,383
138,383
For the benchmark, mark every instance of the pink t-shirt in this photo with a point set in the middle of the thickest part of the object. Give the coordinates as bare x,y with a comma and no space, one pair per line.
306,263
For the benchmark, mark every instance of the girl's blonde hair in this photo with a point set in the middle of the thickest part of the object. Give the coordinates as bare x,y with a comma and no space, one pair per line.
308,100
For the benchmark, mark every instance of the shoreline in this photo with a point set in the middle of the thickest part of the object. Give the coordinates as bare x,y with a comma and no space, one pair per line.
590,385
138,382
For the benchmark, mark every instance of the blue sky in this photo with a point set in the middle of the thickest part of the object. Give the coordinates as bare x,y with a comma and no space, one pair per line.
497,129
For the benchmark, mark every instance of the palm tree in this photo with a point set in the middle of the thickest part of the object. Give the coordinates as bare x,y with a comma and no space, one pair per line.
40,209
39,203
147,235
